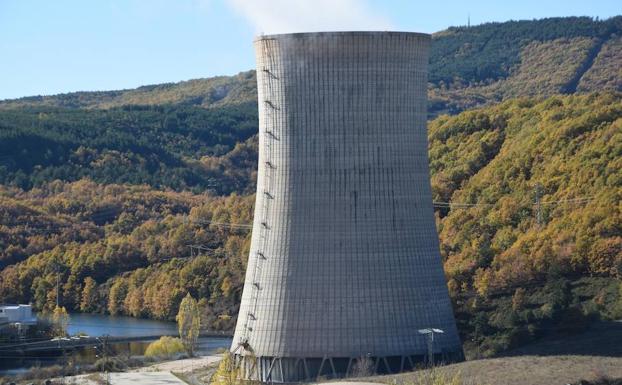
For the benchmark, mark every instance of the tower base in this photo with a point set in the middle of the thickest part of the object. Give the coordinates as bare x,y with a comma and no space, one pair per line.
306,369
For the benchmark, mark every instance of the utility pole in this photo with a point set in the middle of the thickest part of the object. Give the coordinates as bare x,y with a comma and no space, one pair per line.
57,284
64,369
103,354
538,191
105,358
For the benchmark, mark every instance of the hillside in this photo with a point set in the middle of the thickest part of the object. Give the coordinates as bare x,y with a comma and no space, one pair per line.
594,355
176,147
183,136
518,269
469,67
210,92
491,51
489,63
123,249
513,277
124,194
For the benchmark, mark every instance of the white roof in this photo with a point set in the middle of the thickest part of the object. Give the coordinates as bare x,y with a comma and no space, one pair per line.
430,330
13,306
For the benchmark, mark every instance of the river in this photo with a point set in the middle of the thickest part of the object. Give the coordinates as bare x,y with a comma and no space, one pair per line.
97,325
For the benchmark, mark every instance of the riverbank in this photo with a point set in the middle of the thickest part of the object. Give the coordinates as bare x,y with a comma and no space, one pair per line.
184,365
124,337
195,370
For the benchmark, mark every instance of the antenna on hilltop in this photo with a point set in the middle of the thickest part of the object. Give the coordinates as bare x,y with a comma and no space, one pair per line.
468,20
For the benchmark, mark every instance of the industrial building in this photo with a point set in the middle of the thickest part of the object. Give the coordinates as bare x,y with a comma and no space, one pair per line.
344,266
12,315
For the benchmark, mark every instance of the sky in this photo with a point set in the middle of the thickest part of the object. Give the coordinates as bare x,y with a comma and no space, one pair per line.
49,47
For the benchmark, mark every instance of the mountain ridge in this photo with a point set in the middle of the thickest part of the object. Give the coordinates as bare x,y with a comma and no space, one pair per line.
468,68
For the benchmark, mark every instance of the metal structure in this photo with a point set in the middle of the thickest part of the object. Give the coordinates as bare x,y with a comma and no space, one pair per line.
344,262
430,332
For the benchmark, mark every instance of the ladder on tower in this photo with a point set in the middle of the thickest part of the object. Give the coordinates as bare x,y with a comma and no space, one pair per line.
270,135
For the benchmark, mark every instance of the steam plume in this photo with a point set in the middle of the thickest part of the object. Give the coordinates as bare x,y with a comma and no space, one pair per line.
284,16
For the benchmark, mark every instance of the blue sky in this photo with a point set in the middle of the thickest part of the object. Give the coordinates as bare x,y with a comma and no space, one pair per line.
51,47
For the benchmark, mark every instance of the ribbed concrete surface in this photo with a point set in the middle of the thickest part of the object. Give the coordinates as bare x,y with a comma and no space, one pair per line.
344,258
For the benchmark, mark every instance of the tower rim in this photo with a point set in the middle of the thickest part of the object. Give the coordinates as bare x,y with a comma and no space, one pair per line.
303,35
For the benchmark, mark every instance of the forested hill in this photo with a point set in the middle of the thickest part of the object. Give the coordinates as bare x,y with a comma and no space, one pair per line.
137,197
209,92
469,67
168,147
199,135
492,62
516,270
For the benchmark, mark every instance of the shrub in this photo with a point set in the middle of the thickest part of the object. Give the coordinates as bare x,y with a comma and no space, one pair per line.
436,377
165,347
227,373
109,364
364,367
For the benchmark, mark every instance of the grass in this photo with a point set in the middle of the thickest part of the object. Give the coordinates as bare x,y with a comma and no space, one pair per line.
97,378
521,370
590,356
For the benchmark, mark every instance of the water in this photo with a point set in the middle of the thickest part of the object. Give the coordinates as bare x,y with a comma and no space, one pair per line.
97,325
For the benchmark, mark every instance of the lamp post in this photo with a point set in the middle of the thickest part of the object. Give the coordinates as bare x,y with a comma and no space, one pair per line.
429,332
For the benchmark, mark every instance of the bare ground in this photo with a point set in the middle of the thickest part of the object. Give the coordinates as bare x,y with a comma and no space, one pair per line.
522,370
556,360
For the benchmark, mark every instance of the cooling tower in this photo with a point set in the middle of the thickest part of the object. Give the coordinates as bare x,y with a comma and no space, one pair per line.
344,267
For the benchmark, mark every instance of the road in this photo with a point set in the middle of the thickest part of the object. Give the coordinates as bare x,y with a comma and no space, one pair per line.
180,366
151,378
157,374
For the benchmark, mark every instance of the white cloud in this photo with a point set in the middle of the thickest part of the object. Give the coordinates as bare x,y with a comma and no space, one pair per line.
285,16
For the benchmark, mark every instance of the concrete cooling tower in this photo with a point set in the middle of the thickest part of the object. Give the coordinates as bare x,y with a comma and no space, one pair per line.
344,267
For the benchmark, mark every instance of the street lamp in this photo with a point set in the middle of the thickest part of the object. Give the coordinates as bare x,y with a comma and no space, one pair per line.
429,332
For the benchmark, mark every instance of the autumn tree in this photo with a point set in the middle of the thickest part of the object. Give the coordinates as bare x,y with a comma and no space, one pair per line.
60,320
189,322
133,303
229,371
89,297
117,294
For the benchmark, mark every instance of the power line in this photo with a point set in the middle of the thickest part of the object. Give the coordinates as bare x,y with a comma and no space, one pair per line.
220,224
38,226
172,328
42,227
440,204
121,327
580,200
460,204
538,191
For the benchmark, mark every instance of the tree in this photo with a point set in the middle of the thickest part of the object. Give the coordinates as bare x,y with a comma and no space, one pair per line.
189,322
227,373
617,307
134,302
519,299
60,319
88,300
118,291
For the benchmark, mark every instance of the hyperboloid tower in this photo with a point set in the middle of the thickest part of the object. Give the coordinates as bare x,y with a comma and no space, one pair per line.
344,269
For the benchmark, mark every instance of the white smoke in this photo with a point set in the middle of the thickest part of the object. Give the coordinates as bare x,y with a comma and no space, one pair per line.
286,16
